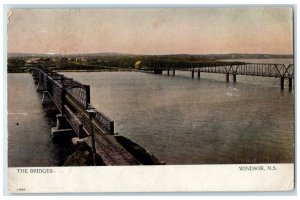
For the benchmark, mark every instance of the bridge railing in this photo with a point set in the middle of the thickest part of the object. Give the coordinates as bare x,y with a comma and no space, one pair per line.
58,95
104,122
80,92
74,121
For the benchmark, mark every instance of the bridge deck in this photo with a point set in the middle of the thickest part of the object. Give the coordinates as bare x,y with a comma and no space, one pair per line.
249,69
112,153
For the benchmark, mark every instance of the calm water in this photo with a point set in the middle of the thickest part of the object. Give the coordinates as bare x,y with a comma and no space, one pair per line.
29,142
180,120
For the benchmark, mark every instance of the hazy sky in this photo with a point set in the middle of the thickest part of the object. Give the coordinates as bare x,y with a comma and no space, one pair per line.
151,31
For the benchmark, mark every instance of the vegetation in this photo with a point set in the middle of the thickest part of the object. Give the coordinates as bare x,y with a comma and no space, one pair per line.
116,62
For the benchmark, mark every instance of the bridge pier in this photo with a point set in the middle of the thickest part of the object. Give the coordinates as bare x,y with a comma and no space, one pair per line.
282,83
173,72
227,77
168,72
61,130
193,73
39,87
36,80
234,78
290,84
157,71
46,99
60,121
198,74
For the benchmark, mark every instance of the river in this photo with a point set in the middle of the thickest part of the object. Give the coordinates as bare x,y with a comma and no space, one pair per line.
178,119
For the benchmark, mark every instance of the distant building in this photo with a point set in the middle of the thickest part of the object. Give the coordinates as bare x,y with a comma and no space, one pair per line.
137,64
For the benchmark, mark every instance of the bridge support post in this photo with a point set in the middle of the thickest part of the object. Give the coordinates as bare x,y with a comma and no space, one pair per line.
234,78
193,73
198,74
168,72
88,95
290,84
91,116
227,77
63,98
173,72
282,83
59,121
158,71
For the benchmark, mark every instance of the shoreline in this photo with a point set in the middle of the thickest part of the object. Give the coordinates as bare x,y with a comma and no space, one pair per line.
75,70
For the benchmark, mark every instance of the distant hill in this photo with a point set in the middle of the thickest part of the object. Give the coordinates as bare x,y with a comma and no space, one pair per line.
196,56
99,54
12,55
248,56
15,55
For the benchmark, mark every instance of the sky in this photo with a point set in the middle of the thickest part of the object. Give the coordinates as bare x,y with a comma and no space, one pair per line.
151,30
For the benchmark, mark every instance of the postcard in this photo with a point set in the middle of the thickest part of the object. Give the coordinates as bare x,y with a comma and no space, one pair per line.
172,99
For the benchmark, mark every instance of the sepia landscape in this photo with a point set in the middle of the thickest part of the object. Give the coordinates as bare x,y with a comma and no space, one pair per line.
150,86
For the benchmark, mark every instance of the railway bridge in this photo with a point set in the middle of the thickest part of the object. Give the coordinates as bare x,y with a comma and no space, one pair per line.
280,71
78,117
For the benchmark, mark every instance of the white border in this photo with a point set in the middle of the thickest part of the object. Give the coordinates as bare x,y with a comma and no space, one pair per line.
111,2
166,178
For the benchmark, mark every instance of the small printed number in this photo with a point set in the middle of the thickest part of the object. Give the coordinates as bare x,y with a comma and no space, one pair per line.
21,189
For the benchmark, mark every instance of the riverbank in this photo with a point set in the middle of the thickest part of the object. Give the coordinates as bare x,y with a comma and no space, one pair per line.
28,70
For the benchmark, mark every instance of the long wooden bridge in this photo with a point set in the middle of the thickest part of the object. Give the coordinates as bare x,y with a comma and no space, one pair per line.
72,99
281,71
